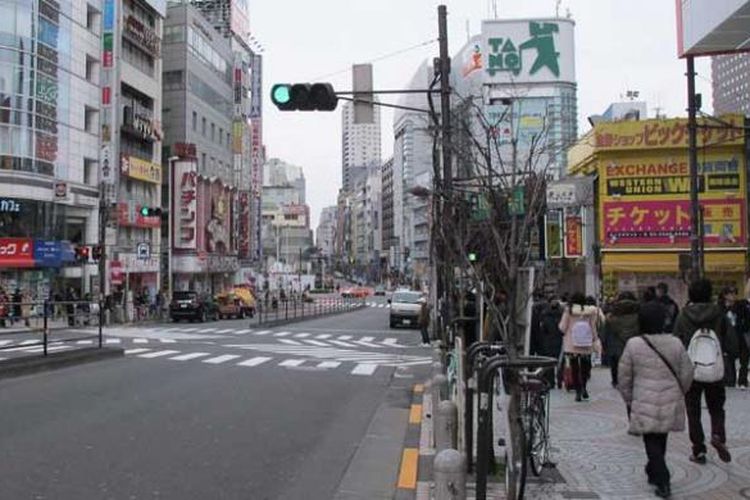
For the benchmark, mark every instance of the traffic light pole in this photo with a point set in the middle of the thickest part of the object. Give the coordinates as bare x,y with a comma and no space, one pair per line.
103,219
695,217
447,181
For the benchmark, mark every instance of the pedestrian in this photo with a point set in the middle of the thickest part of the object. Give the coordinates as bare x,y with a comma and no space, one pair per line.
580,338
736,315
620,326
424,322
70,306
671,307
742,330
654,374
704,331
548,341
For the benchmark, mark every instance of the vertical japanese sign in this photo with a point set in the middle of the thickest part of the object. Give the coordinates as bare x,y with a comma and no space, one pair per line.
106,160
184,192
573,236
256,82
244,225
554,234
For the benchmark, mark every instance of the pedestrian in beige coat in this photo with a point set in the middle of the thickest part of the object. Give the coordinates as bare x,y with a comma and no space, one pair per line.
654,374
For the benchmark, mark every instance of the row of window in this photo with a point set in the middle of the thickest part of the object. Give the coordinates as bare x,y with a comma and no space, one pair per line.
222,138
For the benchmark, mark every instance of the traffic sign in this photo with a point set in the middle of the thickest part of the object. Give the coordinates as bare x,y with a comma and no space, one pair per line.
143,251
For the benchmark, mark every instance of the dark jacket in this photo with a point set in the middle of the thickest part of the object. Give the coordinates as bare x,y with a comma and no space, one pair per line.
705,315
547,340
621,325
671,310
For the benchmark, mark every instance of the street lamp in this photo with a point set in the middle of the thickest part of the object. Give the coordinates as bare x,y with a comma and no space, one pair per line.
170,223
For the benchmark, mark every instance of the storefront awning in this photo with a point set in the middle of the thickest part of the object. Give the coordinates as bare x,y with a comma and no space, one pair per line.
668,262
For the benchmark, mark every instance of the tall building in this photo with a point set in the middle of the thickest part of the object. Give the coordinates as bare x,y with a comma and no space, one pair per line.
198,118
131,135
49,143
730,76
325,233
278,173
388,241
360,146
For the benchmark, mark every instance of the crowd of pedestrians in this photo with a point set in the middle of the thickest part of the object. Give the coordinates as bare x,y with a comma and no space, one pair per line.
663,360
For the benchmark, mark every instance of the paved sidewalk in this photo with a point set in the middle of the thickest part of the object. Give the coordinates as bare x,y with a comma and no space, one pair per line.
597,458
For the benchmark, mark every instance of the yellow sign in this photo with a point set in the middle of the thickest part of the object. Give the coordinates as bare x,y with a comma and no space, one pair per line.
237,129
143,170
667,134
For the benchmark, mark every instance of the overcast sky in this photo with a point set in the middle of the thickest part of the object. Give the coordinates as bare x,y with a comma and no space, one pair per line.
619,46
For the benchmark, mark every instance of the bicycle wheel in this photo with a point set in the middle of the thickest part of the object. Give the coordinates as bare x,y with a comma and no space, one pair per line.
515,470
538,441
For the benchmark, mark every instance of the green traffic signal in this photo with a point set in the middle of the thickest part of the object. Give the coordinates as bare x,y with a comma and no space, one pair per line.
304,97
281,94
472,257
144,211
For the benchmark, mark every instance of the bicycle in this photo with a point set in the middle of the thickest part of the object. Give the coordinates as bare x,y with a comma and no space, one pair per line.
535,419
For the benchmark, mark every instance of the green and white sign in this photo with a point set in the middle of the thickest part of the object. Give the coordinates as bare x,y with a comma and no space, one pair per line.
528,51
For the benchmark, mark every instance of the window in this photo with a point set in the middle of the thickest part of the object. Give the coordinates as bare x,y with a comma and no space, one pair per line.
90,120
195,121
203,127
203,161
89,171
221,135
174,80
213,130
92,19
92,69
228,139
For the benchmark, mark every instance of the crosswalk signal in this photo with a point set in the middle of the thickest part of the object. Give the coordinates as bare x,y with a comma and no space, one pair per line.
304,97
97,252
150,211
82,254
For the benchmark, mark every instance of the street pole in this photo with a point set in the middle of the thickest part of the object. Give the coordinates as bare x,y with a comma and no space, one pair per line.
447,184
170,224
695,232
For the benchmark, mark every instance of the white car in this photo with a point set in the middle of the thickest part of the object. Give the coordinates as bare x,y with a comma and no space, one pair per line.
405,307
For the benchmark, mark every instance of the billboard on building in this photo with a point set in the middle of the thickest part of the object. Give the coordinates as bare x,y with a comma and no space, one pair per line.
718,27
528,51
256,82
240,20
185,204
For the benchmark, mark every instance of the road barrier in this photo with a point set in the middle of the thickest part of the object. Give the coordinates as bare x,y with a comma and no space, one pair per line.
278,311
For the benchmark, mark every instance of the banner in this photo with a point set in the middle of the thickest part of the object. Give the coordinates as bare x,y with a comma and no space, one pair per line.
554,234
185,205
573,236
16,252
143,170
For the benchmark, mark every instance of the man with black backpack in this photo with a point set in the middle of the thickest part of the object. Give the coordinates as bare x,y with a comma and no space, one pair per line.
704,330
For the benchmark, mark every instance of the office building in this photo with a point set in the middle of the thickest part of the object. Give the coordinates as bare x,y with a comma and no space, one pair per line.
360,146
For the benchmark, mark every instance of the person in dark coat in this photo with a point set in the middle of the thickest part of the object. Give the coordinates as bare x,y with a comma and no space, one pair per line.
17,299
548,338
620,326
670,306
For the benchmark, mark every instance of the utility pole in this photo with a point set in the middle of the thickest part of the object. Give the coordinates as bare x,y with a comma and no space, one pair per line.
696,270
447,181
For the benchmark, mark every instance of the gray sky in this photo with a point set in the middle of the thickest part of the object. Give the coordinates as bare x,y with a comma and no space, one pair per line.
619,46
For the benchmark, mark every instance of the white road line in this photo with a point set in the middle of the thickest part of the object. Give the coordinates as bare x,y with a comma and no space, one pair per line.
263,332
221,359
5,342
282,334
243,332
140,341
301,335
345,337
328,364
85,342
27,342
225,330
343,344
158,354
254,361
367,339
290,342
292,362
186,330
113,341
206,330
323,336
316,342
136,351
364,369
368,344
381,306
167,341
190,355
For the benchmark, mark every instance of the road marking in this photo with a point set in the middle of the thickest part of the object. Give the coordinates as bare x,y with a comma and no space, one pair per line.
140,341
323,336
391,341
292,362
27,342
225,330
381,306
345,337
85,342
190,355
368,344
290,342
328,364
343,344
187,330
113,341
263,332
136,351
415,414
367,339
167,341
364,369
5,342
316,342
301,335
158,354
206,330
243,332
221,359
282,334
254,361
407,477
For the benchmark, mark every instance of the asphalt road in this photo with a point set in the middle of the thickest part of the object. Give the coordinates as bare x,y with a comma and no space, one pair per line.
215,411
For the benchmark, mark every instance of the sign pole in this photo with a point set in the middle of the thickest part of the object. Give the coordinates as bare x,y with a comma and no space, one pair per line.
695,217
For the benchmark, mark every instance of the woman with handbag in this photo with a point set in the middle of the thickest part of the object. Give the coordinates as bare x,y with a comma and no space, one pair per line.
654,374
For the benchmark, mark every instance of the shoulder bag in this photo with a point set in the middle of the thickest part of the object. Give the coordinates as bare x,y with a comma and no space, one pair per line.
676,377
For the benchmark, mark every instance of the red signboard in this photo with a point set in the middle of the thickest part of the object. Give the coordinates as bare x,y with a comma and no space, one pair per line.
573,236
16,252
116,274
106,95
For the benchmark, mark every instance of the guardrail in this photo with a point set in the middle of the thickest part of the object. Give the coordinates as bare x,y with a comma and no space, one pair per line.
293,309
47,319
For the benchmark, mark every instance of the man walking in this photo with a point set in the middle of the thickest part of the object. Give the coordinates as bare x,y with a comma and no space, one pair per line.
672,310
704,330
424,322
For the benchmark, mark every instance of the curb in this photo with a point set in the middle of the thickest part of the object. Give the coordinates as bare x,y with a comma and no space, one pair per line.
17,367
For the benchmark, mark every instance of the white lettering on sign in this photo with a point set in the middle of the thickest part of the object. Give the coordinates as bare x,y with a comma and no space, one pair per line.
185,204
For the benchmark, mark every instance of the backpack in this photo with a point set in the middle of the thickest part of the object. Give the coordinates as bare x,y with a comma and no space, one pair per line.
705,352
581,334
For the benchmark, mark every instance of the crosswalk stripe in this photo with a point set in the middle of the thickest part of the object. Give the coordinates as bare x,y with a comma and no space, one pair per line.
167,341
186,329
140,341
344,337
367,339
328,364
323,336
190,355
301,335
368,344
390,340
136,351
292,362
113,341
221,359
259,360
157,354
27,342
85,342
5,342
225,330
343,344
263,332
282,334
315,342
206,330
242,332
364,369
290,342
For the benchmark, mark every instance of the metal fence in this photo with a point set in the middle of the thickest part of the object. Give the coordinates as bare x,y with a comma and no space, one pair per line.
273,310
50,323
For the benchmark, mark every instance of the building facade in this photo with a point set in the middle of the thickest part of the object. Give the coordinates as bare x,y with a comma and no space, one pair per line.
325,233
730,78
360,146
49,144
388,242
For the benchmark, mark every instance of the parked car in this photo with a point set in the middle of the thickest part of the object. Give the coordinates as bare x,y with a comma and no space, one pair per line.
405,307
193,306
379,290
232,305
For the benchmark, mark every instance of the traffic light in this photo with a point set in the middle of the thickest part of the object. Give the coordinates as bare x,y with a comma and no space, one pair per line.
97,252
304,96
82,254
150,211
473,256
